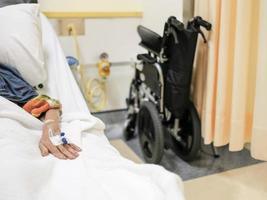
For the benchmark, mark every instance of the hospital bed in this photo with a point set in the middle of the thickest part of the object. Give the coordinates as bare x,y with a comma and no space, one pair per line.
100,172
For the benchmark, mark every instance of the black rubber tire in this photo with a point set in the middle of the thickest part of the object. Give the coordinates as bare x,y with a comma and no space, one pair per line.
150,131
192,152
130,124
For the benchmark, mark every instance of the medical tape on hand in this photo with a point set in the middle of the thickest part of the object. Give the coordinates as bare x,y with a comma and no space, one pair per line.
49,121
58,139
55,139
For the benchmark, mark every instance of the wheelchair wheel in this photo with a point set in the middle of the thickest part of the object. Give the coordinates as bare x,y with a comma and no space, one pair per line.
131,101
151,135
188,143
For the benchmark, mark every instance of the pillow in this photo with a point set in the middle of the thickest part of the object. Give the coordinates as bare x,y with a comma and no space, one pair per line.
21,41
12,2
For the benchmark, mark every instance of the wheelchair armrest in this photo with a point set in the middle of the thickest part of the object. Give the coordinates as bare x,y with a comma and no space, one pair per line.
150,40
146,58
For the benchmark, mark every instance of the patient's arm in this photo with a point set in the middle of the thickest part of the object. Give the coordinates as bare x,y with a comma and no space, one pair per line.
68,151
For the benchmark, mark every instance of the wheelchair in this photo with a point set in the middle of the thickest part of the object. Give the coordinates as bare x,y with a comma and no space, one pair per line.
159,109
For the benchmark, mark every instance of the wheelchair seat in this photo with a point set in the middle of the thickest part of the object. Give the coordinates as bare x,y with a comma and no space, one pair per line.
150,40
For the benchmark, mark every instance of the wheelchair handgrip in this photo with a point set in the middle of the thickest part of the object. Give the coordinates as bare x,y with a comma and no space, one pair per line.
175,23
203,23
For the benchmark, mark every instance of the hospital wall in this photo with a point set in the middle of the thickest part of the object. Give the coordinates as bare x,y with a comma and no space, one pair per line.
118,37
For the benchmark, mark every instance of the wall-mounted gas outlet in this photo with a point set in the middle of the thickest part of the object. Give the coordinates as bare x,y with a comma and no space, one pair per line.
66,26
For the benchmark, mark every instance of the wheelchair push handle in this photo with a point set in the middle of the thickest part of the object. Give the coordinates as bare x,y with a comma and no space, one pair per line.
203,23
196,23
171,27
172,21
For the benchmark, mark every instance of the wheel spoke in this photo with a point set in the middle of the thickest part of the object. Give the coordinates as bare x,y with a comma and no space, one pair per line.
144,138
189,142
150,148
151,131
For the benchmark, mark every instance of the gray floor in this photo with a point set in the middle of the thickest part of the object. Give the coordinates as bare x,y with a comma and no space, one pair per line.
204,165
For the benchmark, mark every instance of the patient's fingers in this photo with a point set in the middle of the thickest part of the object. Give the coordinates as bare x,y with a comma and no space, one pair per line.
53,150
71,150
67,153
44,150
75,147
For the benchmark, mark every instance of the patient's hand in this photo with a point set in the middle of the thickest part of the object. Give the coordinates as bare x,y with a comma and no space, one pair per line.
67,151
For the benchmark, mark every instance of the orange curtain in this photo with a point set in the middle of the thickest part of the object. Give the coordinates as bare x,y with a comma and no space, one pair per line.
230,74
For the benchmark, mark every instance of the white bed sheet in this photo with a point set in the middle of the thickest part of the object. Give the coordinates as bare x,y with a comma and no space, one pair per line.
100,172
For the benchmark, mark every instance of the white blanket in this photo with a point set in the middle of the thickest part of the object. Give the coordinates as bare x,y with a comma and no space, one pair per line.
100,172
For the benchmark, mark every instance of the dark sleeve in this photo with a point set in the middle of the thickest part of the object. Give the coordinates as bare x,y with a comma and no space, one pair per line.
13,87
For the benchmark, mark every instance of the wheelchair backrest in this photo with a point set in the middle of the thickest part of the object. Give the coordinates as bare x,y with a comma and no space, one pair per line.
179,46
176,53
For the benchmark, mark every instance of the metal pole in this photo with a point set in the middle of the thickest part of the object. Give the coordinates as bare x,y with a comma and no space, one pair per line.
188,9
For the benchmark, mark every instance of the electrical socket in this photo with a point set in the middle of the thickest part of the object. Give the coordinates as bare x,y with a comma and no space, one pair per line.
65,24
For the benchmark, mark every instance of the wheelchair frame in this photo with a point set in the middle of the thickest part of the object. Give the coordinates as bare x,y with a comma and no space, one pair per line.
147,101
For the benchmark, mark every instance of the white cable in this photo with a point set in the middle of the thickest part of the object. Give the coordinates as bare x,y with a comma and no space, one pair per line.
94,89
